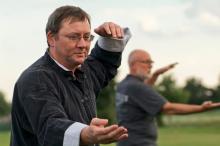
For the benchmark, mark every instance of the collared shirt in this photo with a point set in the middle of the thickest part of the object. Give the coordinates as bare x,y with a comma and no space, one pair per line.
62,66
50,107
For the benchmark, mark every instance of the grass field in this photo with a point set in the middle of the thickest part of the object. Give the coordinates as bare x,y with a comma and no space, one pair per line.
208,135
201,135
202,129
4,138
191,130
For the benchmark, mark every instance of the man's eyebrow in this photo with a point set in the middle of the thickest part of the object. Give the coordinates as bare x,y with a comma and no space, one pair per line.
77,33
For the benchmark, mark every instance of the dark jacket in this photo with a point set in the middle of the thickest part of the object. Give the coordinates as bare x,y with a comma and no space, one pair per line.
48,99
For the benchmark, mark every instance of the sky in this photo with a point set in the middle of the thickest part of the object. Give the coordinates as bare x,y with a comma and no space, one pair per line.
183,31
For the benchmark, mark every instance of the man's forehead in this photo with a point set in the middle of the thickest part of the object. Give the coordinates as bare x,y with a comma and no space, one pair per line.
143,55
75,26
72,20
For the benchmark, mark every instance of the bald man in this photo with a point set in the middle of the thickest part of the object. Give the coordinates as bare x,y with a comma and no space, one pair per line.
137,103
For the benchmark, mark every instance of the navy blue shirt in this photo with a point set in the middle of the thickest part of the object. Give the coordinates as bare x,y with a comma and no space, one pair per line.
137,104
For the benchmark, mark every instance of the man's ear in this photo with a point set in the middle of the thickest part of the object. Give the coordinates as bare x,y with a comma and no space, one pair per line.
50,39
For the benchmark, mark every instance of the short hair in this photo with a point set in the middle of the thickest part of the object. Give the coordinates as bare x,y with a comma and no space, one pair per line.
63,13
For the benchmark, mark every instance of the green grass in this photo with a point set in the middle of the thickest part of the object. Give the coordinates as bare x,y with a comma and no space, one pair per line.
202,129
185,135
188,130
202,135
193,135
4,138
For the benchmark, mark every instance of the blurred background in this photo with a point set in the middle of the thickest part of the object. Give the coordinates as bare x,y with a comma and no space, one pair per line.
183,31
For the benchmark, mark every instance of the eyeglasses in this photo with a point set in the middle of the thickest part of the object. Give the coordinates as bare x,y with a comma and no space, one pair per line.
145,61
77,37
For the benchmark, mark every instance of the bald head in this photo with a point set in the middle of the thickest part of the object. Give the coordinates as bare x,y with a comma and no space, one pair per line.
140,63
137,55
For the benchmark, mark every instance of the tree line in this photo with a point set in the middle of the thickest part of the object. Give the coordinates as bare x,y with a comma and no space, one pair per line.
5,107
193,92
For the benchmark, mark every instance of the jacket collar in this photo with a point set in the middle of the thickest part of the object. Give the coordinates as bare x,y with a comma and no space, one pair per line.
60,68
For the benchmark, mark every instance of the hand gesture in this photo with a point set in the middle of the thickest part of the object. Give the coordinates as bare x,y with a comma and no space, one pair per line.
152,79
96,132
165,69
209,104
110,29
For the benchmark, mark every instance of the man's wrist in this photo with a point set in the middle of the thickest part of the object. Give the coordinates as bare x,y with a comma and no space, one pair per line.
83,137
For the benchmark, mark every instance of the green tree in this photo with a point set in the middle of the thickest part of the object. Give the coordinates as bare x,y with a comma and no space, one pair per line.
216,92
4,106
198,92
169,89
106,103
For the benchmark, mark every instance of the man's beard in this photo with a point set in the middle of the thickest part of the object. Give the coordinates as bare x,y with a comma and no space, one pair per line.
142,76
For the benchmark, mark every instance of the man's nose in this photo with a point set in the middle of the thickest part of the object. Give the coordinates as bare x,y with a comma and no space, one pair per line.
81,42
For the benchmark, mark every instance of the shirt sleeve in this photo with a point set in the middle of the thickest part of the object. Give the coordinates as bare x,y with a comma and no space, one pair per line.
114,44
105,58
108,49
72,134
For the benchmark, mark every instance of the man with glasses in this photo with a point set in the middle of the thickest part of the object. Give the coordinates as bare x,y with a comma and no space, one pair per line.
137,103
54,101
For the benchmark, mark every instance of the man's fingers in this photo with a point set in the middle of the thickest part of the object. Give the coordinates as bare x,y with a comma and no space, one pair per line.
114,30
107,130
210,104
113,135
173,64
110,29
216,104
99,122
123,136
98,133
119,133
120,32
107,28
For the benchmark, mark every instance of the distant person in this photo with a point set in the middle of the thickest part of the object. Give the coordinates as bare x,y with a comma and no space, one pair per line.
54,101
137,103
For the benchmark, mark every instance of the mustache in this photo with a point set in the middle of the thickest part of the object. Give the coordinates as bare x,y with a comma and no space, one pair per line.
80,52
